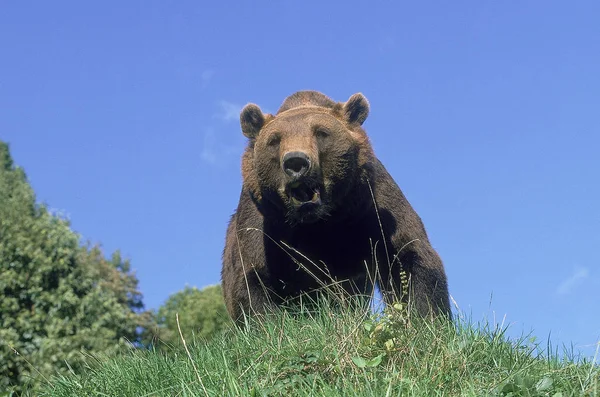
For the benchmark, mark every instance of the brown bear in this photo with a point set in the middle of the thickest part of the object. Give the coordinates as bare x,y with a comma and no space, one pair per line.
318,208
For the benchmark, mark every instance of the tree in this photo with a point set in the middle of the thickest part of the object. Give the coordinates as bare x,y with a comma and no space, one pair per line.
57,297
202,313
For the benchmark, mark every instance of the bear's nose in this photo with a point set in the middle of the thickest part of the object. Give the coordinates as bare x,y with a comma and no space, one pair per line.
296,164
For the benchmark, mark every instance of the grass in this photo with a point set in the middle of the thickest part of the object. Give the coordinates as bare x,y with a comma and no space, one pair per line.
335,352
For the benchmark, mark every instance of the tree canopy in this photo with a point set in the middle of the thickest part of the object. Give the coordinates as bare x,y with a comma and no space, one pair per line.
58,298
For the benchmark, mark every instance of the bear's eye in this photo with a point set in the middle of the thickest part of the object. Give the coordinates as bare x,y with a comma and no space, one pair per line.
321,133
274,140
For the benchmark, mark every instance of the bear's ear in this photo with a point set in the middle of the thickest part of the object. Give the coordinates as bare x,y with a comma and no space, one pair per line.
356,109
251,120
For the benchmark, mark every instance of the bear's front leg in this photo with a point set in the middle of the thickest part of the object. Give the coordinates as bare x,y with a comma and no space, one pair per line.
416,276
245,278
250,295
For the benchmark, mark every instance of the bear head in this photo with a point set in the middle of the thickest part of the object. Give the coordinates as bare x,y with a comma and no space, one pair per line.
306,160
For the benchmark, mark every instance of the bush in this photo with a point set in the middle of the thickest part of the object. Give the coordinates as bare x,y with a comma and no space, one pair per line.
202,314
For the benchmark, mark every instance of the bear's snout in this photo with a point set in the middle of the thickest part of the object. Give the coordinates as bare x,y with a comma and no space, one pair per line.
296,164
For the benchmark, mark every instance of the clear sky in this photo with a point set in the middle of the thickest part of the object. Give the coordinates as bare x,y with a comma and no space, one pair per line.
125,117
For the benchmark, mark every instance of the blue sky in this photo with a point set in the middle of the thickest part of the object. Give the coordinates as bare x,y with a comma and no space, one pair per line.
125,117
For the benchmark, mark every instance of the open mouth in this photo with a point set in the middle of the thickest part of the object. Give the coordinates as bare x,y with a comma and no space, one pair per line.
301,195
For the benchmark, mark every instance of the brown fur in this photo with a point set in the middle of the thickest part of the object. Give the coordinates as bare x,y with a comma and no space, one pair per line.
292,233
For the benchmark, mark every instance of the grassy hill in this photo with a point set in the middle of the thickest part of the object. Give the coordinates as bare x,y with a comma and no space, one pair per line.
341,353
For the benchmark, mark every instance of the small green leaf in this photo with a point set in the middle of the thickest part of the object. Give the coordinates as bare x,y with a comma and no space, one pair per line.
375,361
389,344
359,362
544,384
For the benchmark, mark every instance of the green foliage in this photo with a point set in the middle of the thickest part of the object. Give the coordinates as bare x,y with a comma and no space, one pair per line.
57,298
202,314
332,353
